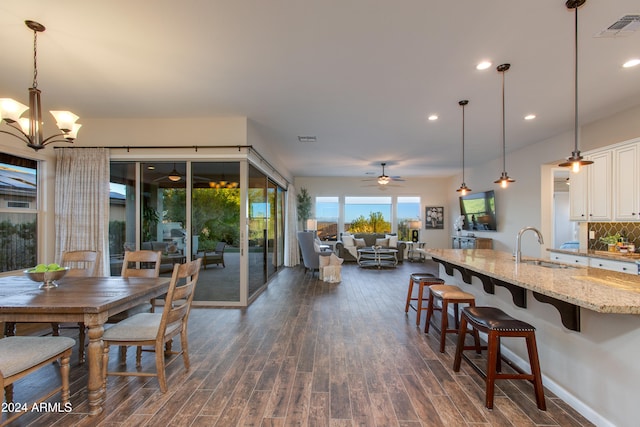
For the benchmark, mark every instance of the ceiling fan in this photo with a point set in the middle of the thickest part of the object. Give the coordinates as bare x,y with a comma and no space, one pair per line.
384,179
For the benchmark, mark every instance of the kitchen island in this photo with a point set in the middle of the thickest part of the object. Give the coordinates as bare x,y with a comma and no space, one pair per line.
592,362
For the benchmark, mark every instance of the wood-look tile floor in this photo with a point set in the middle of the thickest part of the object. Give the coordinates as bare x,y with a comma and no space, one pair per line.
308,353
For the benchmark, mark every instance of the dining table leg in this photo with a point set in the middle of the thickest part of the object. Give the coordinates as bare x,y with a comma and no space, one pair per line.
95,386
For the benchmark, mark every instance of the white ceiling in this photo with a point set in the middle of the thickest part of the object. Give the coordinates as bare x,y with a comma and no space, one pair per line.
360,75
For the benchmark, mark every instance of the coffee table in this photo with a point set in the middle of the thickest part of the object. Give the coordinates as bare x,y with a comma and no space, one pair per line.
377,257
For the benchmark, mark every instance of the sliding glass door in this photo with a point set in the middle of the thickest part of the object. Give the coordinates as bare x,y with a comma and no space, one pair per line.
215,225
192,209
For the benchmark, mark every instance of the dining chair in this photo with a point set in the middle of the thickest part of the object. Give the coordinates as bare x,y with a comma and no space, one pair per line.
142,263
20,356
80,264
157,329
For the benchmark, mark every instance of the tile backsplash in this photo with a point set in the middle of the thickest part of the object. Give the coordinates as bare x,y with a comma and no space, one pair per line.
601,229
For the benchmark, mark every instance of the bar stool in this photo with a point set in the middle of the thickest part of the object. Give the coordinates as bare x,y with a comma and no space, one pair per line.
423,279
497,324
448,294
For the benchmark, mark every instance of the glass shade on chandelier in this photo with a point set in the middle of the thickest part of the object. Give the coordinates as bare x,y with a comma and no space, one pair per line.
29,129
504,179
576,160
463,190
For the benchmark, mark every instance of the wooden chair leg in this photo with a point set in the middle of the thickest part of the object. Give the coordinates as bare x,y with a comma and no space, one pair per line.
406,307
430,309
535,371
492,361
421,287
460,346
444,323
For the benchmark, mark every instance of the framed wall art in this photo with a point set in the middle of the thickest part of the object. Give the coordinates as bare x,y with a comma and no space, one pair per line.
434,218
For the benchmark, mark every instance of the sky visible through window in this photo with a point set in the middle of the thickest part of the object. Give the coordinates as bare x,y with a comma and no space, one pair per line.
328,207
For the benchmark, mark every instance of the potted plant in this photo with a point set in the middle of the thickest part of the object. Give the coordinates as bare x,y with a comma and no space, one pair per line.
304,205
611,241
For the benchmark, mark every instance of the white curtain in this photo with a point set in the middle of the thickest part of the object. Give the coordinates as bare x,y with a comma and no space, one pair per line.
291,248
82,202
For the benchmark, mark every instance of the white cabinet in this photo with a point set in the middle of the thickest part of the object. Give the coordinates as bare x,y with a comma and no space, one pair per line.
620,266
578,195
600,178
626,179
570,259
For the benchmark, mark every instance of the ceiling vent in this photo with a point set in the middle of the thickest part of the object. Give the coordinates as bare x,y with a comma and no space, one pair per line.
624,26
307,138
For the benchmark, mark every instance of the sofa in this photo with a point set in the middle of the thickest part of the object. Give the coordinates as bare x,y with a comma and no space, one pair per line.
348,251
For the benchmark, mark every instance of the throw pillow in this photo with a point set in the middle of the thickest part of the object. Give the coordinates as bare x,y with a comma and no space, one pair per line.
360,243
348,241
393,240
382,242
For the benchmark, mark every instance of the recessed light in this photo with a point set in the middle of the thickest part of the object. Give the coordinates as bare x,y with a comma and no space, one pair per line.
483,65
433,117
631,63
530,117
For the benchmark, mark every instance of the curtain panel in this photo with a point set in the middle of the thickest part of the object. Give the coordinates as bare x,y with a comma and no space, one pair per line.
291,248
82,202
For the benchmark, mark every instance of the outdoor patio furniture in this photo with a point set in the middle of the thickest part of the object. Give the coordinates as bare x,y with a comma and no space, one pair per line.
213,257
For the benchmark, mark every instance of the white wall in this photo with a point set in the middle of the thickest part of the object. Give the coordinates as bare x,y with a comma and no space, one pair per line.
596,369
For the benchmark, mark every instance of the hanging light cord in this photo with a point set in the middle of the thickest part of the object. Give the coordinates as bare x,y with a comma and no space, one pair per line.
575,88
463,103
504,144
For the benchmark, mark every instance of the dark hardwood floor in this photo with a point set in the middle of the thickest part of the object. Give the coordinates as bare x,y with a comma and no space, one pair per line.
307,353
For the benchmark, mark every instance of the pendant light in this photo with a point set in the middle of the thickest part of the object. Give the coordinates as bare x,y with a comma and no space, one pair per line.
463,188
174,175
504,179
576,160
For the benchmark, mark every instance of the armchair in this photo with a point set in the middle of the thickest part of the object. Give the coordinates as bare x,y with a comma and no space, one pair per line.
310,254
213,257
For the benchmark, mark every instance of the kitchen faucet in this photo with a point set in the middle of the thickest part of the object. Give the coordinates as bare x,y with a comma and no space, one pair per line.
519,238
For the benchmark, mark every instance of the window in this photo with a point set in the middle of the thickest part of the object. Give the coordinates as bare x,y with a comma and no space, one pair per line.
367,214
18,213
327,213
408,216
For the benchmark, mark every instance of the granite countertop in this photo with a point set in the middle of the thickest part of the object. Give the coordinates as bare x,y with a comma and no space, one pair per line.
595,289
613,256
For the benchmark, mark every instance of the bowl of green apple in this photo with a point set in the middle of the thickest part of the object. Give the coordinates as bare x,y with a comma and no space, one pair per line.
46,274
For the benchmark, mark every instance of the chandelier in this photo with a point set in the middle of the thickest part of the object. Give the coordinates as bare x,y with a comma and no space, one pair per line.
223,183
29,129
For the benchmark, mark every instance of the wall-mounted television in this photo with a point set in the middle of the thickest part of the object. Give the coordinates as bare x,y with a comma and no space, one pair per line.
479,211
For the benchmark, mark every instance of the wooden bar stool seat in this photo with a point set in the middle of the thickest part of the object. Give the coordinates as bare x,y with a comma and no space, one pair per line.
423,279
448,294
497,324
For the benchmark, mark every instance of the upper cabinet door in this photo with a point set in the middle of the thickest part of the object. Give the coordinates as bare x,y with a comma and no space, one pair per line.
600,186
579,195
626,183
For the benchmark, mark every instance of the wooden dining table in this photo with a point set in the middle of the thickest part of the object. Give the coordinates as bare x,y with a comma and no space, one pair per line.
90,300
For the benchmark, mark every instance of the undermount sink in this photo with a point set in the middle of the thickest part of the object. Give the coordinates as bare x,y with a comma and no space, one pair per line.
546,264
